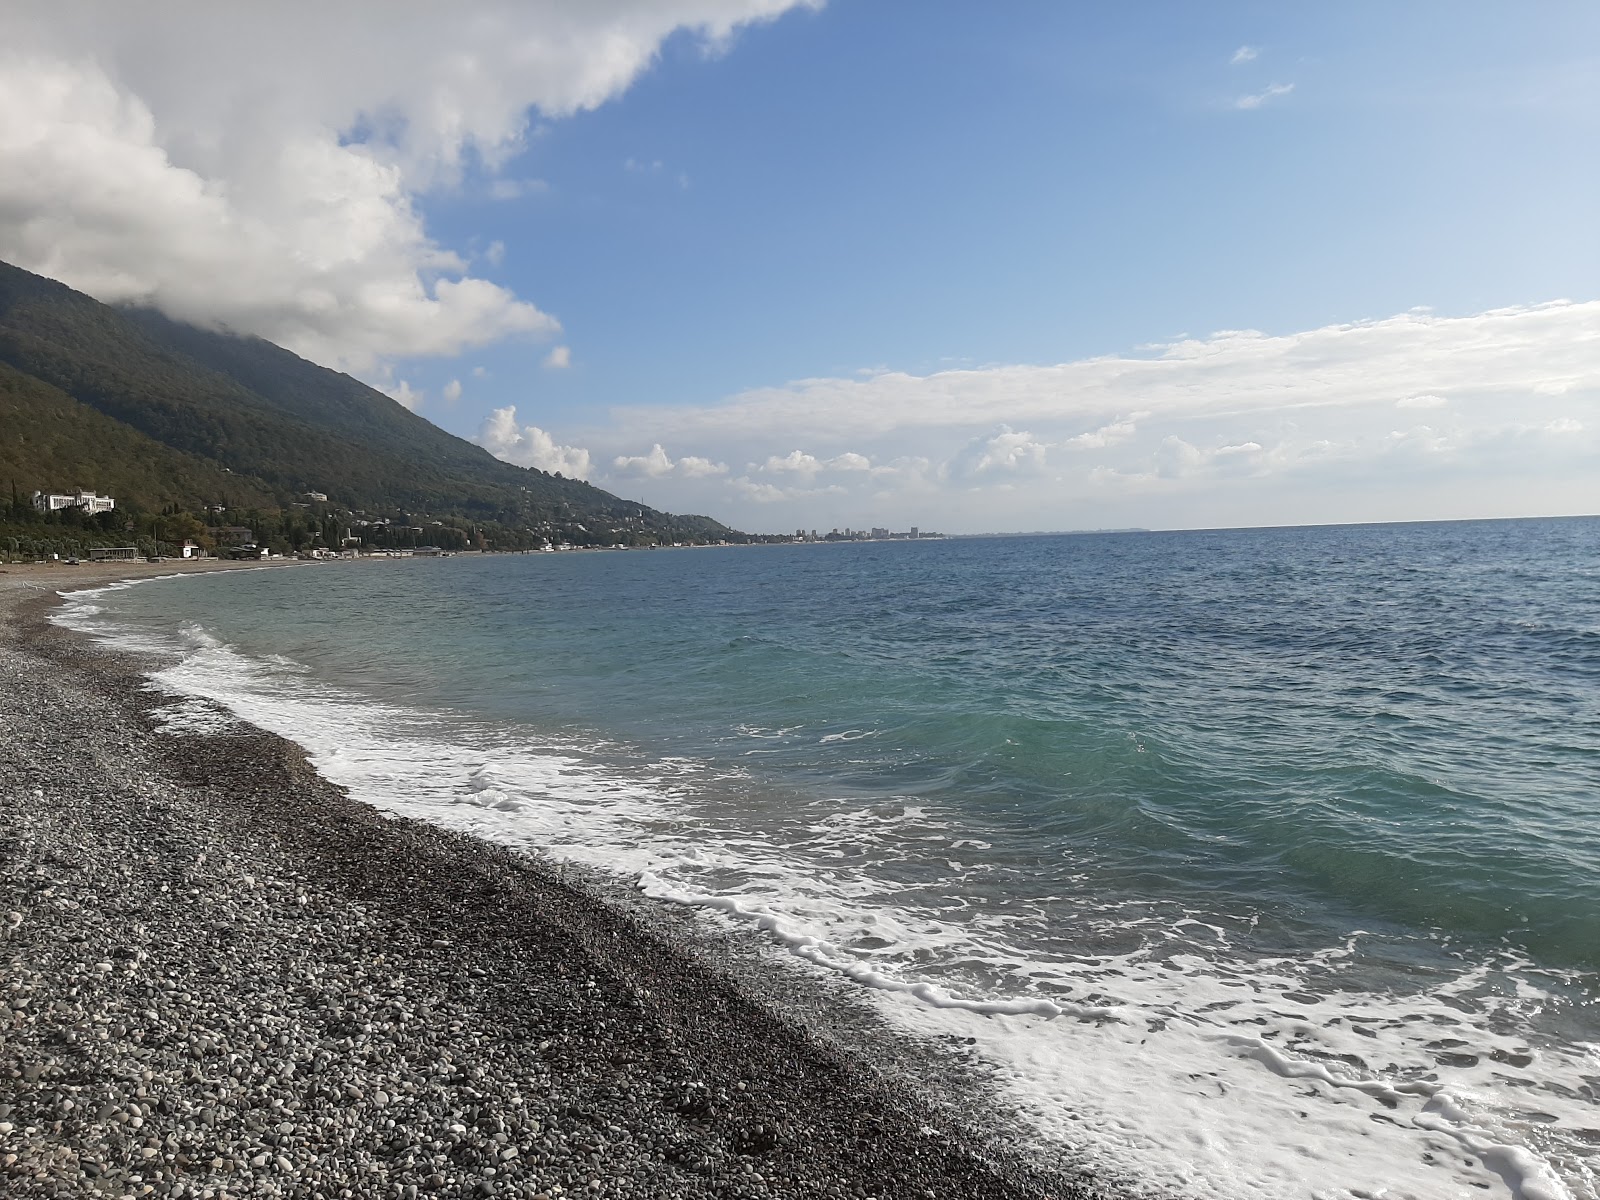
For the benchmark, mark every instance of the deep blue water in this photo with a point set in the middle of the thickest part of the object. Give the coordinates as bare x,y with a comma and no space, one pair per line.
1233,747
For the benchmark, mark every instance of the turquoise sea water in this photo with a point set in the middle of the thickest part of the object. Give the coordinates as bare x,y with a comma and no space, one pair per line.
1305,821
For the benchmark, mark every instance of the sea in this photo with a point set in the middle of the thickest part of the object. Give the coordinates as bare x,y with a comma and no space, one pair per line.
1254,863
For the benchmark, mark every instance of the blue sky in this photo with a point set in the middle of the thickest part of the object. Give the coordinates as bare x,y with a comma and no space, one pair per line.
940,216
1030,183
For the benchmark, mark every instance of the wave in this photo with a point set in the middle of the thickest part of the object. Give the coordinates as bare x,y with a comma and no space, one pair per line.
1150,1039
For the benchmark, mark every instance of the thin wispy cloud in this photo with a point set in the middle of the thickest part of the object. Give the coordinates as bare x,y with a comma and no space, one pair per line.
1257,99
1245,54
516,189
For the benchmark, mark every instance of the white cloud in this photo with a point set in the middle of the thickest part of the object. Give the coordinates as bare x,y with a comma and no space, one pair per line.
559,358
404,395
1522,350
256,166
761,493
849,461
530,446
452,391
1106,435
1244,54
1419,439
658,464
516,189
1257,99
1235,427
1423,401
796,462
653,465
1008,451
700,468
1176,457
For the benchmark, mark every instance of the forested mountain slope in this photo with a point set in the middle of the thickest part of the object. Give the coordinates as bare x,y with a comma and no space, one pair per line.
48,441
219,419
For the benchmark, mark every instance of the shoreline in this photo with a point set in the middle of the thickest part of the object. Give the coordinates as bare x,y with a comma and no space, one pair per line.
229,978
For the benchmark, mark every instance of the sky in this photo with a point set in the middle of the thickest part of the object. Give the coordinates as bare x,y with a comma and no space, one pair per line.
968,267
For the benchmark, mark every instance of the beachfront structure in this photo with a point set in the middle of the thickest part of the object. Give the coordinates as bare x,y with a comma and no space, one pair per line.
231,535
114,554
90,502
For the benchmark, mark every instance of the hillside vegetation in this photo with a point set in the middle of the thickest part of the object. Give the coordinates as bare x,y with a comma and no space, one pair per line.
170,418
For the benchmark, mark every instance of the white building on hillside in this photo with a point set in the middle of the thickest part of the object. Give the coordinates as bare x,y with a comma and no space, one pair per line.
48,502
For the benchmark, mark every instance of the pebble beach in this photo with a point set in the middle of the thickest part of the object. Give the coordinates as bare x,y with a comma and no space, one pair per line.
225,978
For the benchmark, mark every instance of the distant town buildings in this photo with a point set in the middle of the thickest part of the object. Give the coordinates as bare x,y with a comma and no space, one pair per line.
90,502
315,497
875,534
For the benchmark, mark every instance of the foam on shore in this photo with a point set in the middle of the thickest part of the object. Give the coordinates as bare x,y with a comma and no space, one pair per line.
1200,1072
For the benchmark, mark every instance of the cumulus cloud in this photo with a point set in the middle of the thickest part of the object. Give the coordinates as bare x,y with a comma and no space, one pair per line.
559,358
238,166
807,466
796,462
658,464
1006,452
452,391
404,395
1257,99
1176,457
1424,401
760,492
530,446
692,467
850,461
1106,435
652,465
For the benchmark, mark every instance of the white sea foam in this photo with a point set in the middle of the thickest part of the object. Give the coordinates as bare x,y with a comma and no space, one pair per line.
1184,1065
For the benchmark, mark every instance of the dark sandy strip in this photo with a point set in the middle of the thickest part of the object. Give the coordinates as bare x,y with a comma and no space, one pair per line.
225,977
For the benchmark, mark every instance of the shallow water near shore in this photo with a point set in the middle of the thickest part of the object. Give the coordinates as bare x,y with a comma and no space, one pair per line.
1262,863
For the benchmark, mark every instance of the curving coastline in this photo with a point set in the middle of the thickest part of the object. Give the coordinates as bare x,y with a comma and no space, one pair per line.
225,977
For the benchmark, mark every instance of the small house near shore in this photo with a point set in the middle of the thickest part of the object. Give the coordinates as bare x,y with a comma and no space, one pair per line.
114,554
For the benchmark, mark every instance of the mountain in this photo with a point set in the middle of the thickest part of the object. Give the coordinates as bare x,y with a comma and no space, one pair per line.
50,441
163,414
